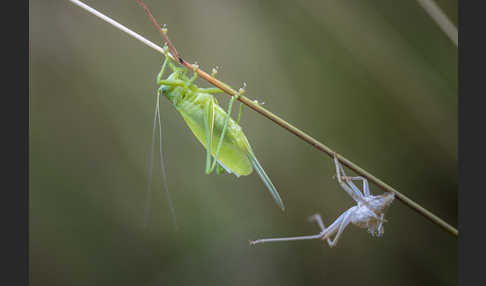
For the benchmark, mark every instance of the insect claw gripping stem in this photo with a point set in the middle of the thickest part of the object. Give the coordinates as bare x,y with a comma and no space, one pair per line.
195,67
240,92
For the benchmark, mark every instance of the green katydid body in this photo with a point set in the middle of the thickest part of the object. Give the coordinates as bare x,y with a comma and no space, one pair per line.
235,146
209,123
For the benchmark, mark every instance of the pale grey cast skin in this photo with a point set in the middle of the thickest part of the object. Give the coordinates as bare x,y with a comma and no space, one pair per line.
368,213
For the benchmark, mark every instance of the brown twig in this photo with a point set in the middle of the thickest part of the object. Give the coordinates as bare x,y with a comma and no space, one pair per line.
163,33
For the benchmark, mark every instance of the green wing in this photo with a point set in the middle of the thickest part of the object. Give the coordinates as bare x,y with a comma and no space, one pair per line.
232,154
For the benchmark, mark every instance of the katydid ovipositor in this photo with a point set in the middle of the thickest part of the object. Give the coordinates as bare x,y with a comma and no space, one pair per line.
211,124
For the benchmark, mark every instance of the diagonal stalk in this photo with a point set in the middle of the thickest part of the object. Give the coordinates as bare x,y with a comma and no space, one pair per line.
440,19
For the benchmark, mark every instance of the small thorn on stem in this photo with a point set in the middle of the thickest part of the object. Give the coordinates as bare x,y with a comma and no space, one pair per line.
242,89
258,103
214,71
164,28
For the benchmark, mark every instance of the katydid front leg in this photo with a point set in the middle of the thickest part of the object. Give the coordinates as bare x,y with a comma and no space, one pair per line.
223,132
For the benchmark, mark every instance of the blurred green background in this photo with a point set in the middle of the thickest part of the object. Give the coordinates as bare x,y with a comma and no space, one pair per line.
374,80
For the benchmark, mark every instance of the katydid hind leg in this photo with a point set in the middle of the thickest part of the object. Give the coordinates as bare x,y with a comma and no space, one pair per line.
223,132
209,127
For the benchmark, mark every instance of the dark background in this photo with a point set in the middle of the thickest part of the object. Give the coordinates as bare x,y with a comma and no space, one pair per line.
376,81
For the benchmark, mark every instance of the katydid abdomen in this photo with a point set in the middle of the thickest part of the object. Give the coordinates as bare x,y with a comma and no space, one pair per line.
235,149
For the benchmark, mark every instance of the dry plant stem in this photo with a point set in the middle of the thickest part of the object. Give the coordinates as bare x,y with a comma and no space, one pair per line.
163,34
289,127
440,19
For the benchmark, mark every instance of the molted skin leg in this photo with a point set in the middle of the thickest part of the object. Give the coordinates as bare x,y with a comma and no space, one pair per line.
366,189
353,192
337,226
317,218
264,240
345,220
346,183
380,226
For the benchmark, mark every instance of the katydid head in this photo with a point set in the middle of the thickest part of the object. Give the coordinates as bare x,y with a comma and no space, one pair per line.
172,88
